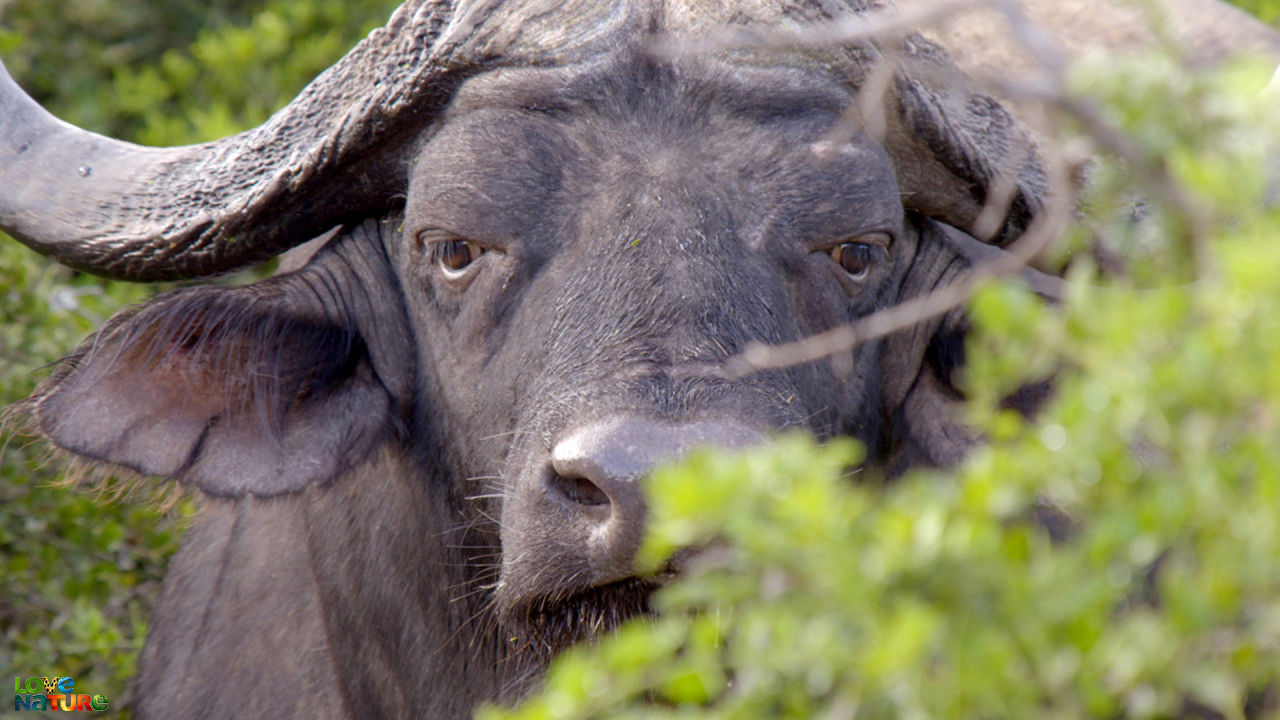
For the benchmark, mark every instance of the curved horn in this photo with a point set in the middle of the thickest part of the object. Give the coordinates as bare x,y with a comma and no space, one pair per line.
136,213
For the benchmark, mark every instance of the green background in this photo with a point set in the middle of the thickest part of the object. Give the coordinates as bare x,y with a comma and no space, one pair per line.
80,571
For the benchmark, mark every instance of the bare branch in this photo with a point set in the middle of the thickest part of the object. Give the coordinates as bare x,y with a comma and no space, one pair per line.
1046,227
1151,171
867,111
1046,91
874,25
1000,199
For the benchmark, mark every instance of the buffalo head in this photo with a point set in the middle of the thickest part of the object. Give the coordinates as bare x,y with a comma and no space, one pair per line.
552,233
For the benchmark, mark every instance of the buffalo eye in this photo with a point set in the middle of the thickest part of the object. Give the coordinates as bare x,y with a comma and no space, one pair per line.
855,257
453,256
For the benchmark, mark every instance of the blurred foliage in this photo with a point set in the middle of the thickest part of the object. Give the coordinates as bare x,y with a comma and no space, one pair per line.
80,571
79,576
1116,557
178,71
1268,10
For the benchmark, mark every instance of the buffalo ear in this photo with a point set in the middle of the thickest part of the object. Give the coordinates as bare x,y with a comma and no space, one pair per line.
262,389
959,149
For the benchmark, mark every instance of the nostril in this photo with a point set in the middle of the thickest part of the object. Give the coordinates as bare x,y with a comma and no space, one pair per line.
578,490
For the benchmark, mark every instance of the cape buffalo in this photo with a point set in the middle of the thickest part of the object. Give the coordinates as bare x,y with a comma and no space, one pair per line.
418,454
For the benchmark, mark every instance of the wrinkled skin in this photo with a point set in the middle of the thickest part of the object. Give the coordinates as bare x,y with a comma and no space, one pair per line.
638,241
423,548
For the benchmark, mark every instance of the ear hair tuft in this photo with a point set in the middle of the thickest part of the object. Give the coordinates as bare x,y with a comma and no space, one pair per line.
107,483
249,356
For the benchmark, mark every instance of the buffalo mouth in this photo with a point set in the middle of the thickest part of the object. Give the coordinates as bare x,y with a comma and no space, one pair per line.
550,624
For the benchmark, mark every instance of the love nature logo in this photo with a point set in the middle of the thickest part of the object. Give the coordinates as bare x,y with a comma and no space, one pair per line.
53,693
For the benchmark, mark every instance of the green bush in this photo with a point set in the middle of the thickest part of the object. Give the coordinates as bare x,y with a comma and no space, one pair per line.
81,572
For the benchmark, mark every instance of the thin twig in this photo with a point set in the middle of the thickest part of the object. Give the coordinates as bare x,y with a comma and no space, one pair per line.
1044,228
877,25
867,111
1048,89
1152,171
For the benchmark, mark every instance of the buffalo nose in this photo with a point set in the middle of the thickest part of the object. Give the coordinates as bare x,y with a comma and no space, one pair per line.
597,471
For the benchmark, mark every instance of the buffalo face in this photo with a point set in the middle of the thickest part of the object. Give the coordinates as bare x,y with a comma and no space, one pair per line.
599,243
